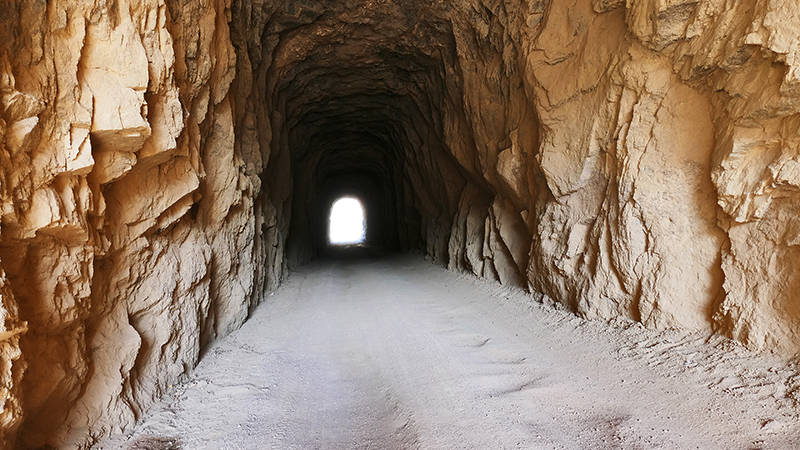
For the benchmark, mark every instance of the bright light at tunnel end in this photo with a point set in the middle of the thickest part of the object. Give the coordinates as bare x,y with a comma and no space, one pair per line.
347,225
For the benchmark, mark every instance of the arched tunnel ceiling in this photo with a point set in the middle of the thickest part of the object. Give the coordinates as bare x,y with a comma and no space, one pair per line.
360,106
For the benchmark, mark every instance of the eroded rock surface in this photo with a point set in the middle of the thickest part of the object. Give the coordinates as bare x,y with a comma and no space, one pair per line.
163,163
129,232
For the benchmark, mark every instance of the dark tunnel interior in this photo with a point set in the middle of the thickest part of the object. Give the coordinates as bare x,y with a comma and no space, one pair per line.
360,113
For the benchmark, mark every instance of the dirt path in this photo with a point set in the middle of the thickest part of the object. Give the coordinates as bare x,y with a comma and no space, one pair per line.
399,354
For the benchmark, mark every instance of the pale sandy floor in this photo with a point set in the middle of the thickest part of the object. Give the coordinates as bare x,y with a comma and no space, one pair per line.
398,353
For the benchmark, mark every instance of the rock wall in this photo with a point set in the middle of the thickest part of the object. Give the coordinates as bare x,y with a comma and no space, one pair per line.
133,229
163,163
650,150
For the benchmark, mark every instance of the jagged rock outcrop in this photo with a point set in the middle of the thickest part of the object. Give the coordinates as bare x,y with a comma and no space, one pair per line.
163,163
129,227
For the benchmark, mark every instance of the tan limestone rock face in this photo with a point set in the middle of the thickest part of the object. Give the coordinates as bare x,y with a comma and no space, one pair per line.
705,102
13,363
747,53
163,164
117,120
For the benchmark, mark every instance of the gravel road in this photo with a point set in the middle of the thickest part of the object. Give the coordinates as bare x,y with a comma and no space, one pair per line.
398,353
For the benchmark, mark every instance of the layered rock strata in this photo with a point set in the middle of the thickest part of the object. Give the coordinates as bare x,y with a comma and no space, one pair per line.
163,163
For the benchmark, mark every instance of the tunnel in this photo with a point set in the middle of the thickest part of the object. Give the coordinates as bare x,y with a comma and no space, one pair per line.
359,111
166,165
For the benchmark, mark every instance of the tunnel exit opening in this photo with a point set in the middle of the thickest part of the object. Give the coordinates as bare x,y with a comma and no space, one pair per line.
347,223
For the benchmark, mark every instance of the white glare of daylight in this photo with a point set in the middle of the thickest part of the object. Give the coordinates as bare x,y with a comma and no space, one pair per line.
347,225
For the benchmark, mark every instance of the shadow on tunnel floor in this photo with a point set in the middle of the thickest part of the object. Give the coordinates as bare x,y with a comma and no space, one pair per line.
354,251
